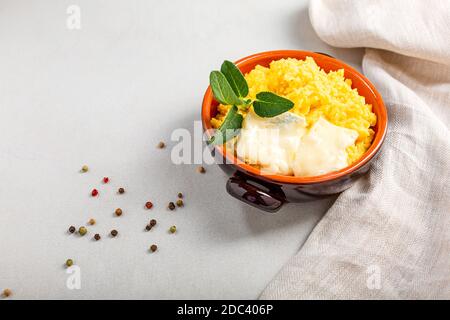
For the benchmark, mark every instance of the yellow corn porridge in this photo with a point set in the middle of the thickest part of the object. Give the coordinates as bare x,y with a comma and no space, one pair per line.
316,94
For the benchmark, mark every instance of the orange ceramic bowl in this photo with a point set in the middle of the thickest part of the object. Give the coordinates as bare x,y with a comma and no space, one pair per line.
269,192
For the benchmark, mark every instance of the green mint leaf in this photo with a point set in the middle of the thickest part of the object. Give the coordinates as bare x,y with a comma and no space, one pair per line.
222,90
235,78
230,127
268,105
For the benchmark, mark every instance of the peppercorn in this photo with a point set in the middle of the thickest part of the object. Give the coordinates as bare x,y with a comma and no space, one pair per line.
72,229
161,145
173,229
153,247
180,195
97,237
105,180
148,227
118,212
153,222
114,233
180,203
121,190
94,192
6,293
171,206
201,169
82,231
148,205
84,168
91,222
69,262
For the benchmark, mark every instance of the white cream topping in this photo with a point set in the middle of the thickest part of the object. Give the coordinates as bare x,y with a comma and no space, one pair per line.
283,145
323,149
271,142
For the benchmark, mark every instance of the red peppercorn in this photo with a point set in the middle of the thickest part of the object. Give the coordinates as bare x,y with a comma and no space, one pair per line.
105,180
148,205
94,192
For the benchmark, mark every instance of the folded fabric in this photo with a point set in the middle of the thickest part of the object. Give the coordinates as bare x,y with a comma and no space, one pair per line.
389,235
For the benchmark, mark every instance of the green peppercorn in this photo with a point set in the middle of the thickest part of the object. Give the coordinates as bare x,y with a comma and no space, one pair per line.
180,195
180,203
173,229
69,262
82,231
84,168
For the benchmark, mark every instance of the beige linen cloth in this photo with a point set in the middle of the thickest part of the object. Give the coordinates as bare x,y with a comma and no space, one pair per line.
388,236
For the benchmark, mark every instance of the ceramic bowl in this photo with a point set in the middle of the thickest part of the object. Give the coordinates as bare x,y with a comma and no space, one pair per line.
270,192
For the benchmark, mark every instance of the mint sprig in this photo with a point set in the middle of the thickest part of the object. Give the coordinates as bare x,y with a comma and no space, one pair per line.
222,90
229,87
269,105
230,127
235,78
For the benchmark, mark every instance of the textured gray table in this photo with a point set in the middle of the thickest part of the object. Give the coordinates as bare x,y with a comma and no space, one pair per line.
104,95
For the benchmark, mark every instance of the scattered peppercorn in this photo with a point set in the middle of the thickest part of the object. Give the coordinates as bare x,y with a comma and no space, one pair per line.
153,222
153,247
118,212
82,231
6,293
121,190
180,195
173,229
148,227
97,237
72,229
114,233
171,206
84,168
69,262
180,203
94,192
105,180
161,145
201,169
91,222
148,205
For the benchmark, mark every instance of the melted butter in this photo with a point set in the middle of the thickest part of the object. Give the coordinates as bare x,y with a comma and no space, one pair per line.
271,143
323,149
283,145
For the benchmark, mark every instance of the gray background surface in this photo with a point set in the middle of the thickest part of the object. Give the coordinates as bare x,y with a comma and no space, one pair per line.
104,96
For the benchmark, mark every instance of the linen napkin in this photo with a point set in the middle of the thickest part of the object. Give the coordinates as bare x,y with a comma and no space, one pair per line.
388,236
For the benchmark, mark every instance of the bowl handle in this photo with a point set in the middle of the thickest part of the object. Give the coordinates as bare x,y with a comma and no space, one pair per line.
269,198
